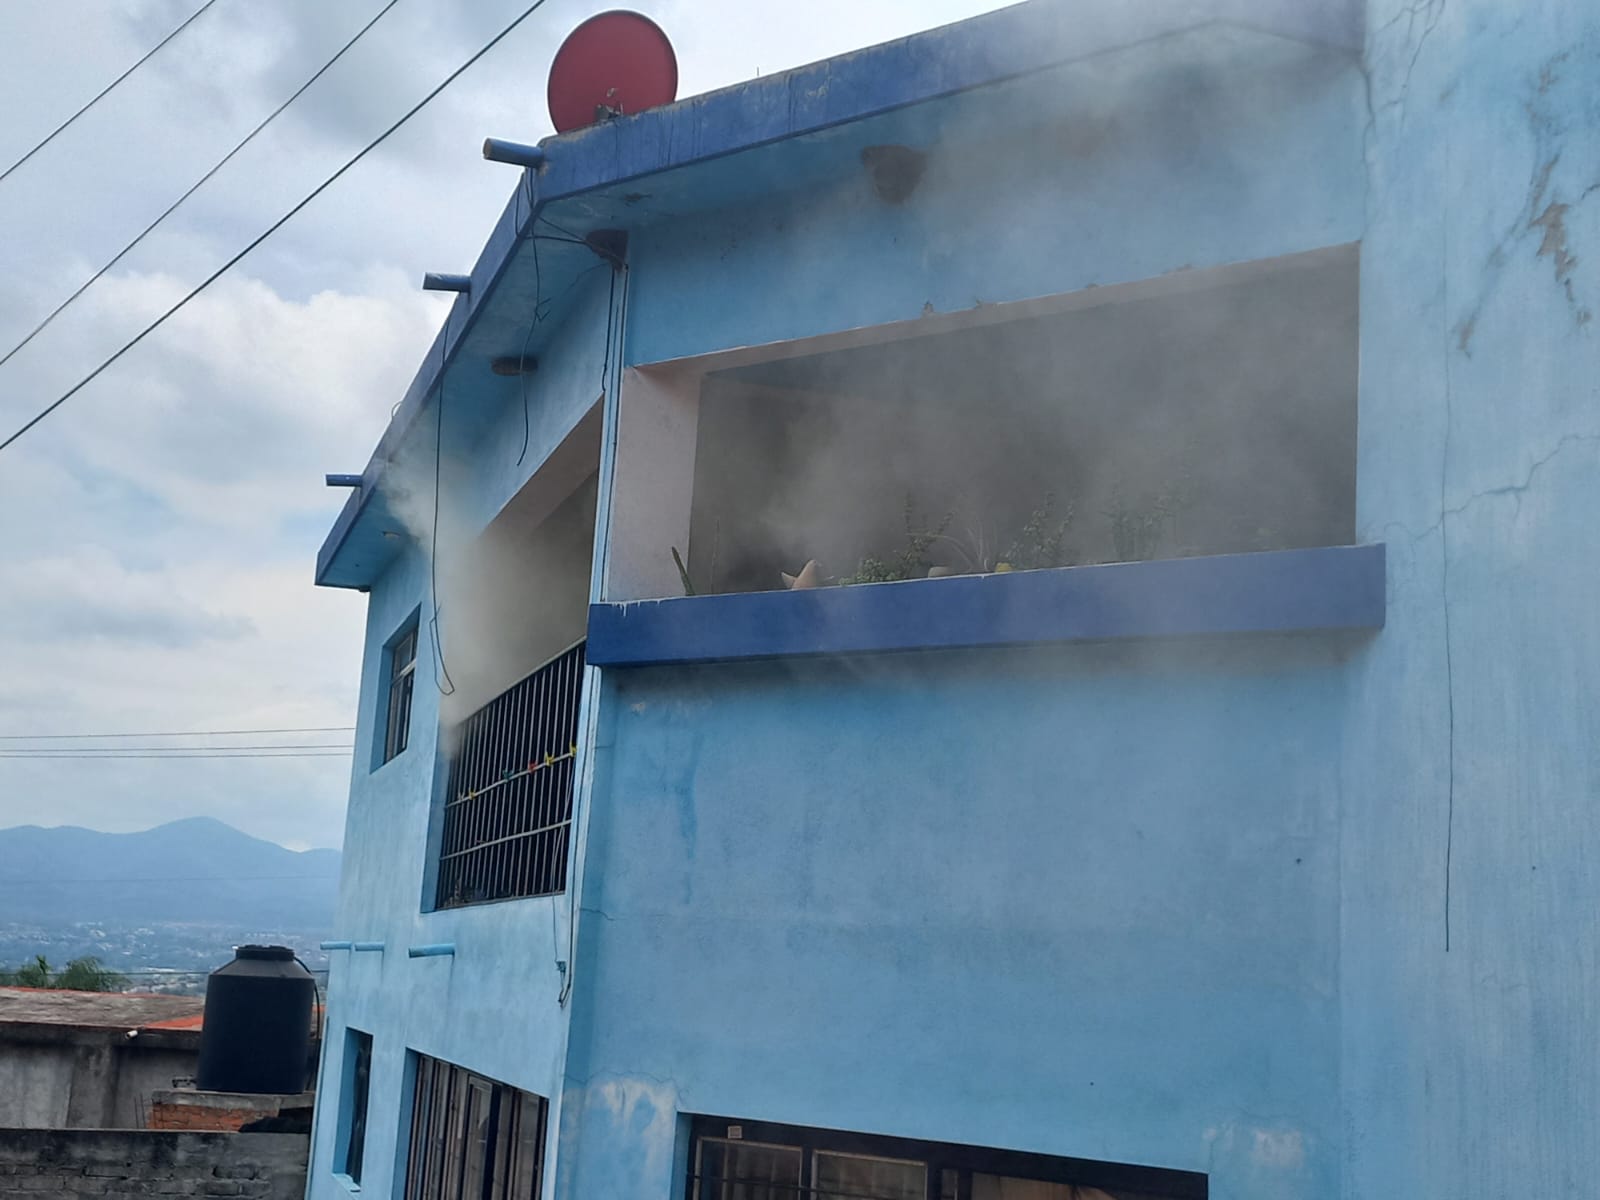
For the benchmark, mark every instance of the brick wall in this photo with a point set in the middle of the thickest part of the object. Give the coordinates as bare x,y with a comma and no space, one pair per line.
94,1164
224,1112
214,1118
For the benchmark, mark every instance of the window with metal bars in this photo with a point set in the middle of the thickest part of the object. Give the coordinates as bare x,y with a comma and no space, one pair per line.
754,1160
472,1138
508,804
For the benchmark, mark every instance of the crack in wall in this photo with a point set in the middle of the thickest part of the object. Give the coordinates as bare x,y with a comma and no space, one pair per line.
1444,598
1517,490
1430,13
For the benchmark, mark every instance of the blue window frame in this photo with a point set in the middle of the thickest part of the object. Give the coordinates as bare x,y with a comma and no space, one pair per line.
400,673
354,1085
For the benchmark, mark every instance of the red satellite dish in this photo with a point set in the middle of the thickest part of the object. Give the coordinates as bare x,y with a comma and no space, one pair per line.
615,63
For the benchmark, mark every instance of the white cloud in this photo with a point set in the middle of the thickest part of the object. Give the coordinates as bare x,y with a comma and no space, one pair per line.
157,534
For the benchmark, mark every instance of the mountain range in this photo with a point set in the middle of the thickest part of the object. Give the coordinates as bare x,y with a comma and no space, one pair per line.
195,871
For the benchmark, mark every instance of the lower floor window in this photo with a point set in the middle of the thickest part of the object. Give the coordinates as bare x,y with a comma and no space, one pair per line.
472,1138
750,1160
357,1078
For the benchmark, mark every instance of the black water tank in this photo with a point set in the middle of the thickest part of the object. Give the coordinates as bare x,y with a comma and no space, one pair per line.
256,1036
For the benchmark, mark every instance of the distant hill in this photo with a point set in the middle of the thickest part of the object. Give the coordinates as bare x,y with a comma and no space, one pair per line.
194,871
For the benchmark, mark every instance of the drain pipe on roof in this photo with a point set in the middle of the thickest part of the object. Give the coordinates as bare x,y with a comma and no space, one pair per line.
432,950
515,154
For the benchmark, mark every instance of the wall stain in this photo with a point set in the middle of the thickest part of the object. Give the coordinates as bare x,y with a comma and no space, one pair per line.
1544,213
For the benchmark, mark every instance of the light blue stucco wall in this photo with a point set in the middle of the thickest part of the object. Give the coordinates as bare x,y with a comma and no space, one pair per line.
1212,170
1470,763
1081,902
1181,905
493,1006
1078,902
450,1008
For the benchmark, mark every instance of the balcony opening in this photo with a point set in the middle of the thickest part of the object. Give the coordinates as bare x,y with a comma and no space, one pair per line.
1204,413
513,612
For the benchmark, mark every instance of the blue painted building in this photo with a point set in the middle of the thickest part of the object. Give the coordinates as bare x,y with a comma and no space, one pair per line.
1173,771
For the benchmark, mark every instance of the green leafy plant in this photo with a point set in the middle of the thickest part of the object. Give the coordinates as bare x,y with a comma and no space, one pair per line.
911,560
1040,542
872,570
1139,532
969,545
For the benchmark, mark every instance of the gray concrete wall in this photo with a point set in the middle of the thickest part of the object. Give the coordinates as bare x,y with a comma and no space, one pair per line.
63,1164
76,1079
141,1072
35,1085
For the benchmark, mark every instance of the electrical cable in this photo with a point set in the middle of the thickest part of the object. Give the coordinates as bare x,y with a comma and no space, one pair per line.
580,240
525,184
67,754
522,379
441,674
533,324
165,973
617,318
50,737
98,750
274,227
181,879
103,92
196,186
319,1023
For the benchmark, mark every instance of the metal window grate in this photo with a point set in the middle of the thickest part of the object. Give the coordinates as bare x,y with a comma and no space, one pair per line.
472,1138
758,1160
508,807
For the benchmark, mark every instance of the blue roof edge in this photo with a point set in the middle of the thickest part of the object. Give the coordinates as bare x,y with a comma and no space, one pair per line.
1019,40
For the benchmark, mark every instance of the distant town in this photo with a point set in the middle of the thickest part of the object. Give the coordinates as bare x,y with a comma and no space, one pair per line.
166,958
163,907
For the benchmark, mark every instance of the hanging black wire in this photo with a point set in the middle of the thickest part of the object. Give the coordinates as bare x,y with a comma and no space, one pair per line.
616,334
538,300
441,675
105,91
196,186
273,228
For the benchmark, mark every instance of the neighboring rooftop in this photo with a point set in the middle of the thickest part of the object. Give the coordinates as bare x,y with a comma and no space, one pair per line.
98,1010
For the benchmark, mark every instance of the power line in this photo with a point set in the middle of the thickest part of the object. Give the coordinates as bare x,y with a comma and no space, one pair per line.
199,973
92,751
67,754
198,184
157,973
52,737
274,227
179,879
103,92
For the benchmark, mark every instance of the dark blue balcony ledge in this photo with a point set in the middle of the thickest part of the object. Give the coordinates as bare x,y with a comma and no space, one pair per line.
1284,591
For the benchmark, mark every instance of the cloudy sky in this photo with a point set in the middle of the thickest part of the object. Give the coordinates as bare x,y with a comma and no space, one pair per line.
157,534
